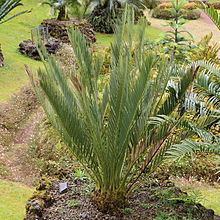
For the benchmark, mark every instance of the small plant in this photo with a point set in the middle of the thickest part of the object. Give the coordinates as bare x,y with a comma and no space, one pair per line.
193,197
80,175
127,211
73,203
175,41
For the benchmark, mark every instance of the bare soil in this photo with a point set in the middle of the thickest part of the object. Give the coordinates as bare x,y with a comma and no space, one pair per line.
151,201
18,120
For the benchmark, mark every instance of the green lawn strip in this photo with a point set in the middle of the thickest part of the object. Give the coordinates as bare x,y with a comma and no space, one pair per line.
151,34
211,197
210,194
13,75
13,197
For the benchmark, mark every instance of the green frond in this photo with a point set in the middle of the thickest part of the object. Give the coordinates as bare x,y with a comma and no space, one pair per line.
214,15
188,147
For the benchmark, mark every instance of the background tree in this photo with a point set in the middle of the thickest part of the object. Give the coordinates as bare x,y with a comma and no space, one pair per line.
63,7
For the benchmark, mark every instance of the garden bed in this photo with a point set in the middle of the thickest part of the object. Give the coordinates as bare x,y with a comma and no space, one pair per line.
29,49
152,200
59,29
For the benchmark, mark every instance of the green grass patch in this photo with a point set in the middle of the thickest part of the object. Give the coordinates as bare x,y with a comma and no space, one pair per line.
13,197
151,34
210,194
12,75
211,198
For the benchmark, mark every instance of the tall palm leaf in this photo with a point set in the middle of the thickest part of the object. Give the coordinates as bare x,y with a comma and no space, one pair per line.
7,6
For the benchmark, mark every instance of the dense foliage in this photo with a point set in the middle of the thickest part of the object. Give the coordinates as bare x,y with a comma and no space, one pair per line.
7,6
128,129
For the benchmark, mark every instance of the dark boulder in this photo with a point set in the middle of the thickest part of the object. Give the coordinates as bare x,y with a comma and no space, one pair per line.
29,49
59,29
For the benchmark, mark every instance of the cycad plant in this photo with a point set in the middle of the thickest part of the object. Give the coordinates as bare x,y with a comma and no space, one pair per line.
125,131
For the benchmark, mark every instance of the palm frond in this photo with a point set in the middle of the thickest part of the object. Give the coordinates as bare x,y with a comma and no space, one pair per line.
188,147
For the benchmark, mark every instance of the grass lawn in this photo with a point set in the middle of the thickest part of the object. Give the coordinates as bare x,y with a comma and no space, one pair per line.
13,197
13,76
151,34
210,195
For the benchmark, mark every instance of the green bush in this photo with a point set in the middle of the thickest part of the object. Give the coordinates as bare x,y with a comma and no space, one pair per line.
215,5
166,13
104,21
162,13
191,14
190,6
201,166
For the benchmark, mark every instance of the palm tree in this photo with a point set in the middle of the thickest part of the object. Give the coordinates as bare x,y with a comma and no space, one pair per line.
105,13
62,6
126,130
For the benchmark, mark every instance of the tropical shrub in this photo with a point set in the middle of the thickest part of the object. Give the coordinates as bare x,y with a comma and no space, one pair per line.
165,5
124,133
206,50
105,14
166,13
175,43
63,7
190,6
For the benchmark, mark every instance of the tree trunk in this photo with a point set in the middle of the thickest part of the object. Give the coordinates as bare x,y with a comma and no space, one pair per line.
1,58
109,203
63,15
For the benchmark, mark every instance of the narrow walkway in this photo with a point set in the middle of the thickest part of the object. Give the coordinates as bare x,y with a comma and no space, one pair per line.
198,28
16,159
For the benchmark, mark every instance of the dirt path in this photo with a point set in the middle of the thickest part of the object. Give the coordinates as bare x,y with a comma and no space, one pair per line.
198,28
15,160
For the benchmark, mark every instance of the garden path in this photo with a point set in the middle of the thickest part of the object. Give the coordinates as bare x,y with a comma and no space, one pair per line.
15,160
198,28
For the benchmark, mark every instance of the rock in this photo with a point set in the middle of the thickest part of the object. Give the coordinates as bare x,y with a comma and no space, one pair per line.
39,201
63,187
28,48
84,216
1,58
59,29
209,214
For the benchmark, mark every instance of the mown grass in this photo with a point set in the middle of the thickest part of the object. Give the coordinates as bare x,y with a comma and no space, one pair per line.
151,34
13,76
13,197
210,194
